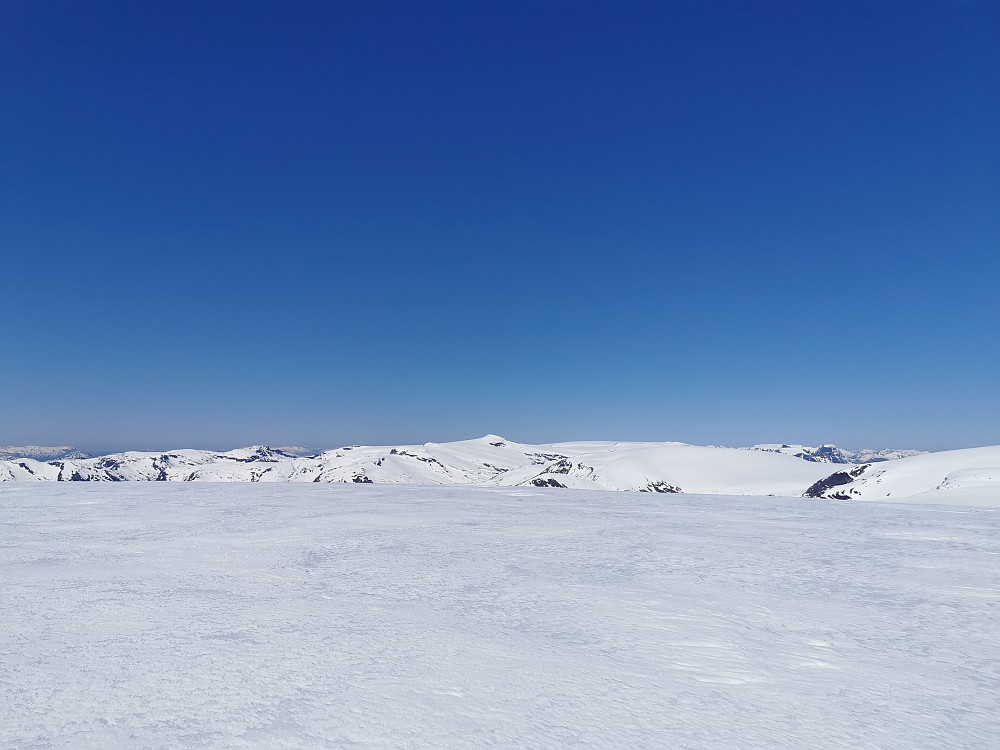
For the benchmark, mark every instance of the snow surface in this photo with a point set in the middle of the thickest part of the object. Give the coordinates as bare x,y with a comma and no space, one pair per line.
162,615
970,476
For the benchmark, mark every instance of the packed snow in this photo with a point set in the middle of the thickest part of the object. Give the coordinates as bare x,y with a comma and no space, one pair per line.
187,615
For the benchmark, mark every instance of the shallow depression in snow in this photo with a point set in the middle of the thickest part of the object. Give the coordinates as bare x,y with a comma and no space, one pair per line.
161,615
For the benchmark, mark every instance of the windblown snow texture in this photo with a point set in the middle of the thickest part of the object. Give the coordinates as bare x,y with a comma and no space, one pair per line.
313,615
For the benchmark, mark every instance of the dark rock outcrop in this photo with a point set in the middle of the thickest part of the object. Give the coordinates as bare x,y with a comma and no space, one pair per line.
823,486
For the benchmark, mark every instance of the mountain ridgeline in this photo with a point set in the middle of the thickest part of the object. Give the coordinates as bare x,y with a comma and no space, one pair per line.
666,468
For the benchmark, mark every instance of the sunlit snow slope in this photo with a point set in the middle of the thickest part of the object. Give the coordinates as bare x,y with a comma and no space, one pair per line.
672,468
965,477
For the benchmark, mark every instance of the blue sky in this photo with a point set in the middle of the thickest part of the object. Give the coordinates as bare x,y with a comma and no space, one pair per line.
338,222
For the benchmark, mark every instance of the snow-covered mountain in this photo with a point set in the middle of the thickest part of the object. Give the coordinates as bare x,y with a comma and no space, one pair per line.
825,454
669,468
970,476
40,452
870,455
465,462
492,460
831,454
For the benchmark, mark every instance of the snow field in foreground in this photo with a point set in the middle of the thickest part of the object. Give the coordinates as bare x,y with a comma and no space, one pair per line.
306,616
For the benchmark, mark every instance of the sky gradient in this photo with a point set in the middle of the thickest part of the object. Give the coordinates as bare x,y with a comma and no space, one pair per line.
322,223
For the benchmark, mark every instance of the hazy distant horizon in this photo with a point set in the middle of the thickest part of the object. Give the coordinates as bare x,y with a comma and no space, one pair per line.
104,449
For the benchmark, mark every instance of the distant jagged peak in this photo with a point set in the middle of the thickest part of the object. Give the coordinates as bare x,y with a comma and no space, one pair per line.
869,455
831,454
256,453
41,452
825,454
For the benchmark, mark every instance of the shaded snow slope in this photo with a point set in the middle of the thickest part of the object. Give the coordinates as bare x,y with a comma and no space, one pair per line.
964,477
304,616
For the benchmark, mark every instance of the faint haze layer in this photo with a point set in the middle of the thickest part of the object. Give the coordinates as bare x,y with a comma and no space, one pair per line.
378,222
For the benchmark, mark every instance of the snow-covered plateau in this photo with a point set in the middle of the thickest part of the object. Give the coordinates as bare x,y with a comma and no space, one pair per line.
196,615
965,476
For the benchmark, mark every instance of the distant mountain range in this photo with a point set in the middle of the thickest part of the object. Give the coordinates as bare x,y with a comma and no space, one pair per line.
787,470
826,453
831,454
40,452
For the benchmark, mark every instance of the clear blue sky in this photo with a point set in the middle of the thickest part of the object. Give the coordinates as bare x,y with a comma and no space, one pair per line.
335,222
